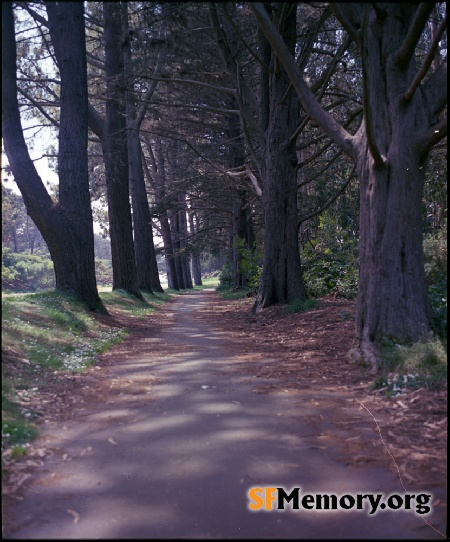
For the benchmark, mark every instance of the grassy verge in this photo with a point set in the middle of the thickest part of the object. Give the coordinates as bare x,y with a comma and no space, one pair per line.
419,365
226,292
48,333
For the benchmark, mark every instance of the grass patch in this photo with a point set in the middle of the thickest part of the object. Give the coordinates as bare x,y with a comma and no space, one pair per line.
299,305
208,282
48,333
226,292
418,365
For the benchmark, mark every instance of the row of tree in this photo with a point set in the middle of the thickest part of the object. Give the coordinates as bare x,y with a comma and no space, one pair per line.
234,124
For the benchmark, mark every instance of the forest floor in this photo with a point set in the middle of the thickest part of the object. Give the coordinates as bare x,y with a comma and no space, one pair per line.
309,352
302,355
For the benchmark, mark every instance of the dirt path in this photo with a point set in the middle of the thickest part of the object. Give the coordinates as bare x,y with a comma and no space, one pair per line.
165,438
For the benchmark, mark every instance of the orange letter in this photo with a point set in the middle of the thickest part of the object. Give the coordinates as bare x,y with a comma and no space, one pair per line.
255,498
270,497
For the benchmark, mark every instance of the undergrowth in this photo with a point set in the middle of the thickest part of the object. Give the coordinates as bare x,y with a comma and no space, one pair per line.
52,333
302,305
418,365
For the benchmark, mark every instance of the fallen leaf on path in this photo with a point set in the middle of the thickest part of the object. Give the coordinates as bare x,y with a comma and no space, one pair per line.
112,441
22,479
76,515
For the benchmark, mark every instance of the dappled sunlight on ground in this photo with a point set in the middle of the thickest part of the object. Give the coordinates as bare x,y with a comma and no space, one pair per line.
165,438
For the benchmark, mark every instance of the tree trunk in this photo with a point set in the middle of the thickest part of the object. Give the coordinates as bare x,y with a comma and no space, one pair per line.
116,157
392,297
196,261
146,266
282,280
66,227
185,253
158,182
175,236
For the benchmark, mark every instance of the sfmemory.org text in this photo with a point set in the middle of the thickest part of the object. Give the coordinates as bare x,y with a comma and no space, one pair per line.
275,498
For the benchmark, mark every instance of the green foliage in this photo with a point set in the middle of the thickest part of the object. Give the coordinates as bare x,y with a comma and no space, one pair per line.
302,306
45,336
231,293
412,366
330,260
250,264
103,272
226,278
435,257
24,272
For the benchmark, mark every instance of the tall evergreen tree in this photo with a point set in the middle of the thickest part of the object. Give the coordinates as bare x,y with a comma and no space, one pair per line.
66,225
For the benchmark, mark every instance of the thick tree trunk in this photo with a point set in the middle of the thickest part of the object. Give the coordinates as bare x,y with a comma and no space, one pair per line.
116,158
282,280
392,297
66,227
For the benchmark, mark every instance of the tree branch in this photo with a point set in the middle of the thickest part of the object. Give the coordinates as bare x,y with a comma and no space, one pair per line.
344,14
38,106
427,63
309,102
435,89
432,136
329,202
368,119
193,82
97,123
407,48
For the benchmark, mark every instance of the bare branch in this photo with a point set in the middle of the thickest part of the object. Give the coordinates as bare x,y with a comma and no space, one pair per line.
193,82
94,61
415,31
427,63
344,13
254,181
329,202
96,123
368,118
38,106
336,132
435,89
435,134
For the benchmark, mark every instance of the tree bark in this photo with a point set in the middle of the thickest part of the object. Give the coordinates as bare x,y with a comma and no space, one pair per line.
116,157
196,261
184,248
146,266
158,182
282,279
67,226
392,296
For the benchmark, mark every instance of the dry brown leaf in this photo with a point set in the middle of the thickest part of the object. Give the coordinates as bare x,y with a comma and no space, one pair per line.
76,515
419,456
